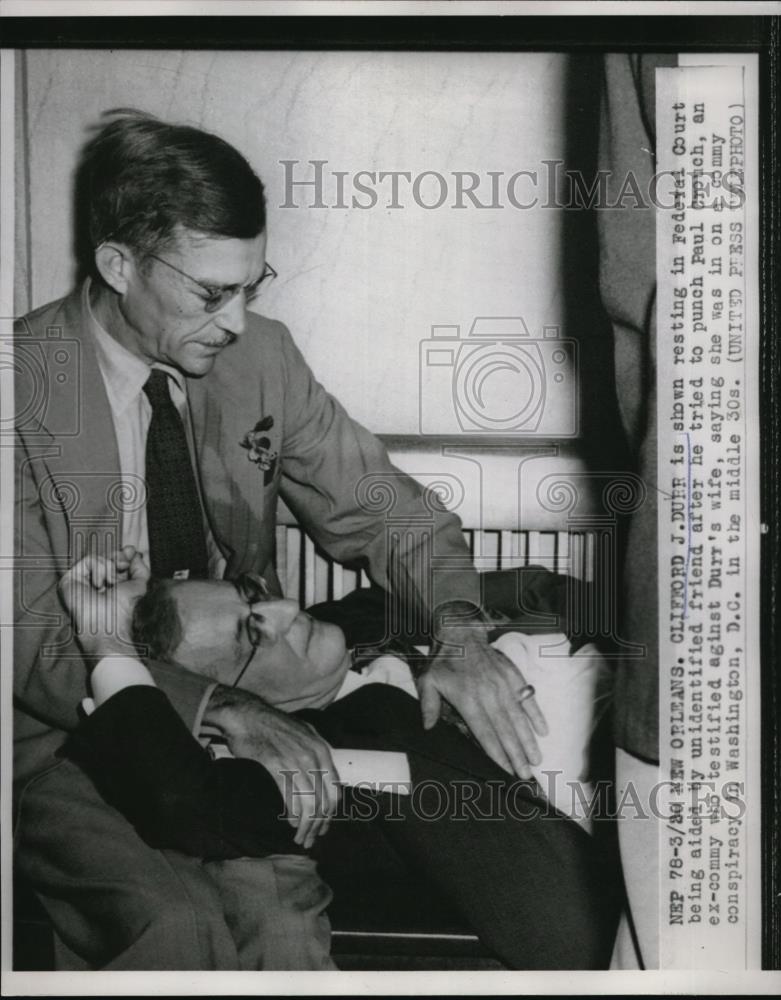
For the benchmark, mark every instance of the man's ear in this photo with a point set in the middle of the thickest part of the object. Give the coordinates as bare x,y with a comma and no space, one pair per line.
115,265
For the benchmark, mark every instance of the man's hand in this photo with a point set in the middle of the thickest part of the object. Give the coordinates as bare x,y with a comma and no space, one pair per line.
98,592
291,751
485,687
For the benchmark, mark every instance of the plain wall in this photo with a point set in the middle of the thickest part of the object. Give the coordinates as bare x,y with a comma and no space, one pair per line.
359,289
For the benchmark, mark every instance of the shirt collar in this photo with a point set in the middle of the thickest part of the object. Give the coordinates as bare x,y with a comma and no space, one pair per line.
124,373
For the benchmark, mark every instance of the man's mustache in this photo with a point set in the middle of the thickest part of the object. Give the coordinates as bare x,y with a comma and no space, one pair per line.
226,341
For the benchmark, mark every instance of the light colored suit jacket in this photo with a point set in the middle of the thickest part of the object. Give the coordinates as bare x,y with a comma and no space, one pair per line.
334,475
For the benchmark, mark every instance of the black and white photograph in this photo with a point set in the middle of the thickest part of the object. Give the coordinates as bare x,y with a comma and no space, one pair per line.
389,442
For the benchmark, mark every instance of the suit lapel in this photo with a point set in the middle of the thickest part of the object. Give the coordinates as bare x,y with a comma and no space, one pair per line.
79,446
222,412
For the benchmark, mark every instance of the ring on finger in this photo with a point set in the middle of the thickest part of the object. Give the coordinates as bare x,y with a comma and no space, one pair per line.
526,692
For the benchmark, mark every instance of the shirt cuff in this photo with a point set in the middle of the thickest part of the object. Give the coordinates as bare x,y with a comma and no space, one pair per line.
113,674
198,721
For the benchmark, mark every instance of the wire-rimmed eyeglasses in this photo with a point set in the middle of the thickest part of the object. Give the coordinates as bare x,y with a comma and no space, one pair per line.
217,297
252,589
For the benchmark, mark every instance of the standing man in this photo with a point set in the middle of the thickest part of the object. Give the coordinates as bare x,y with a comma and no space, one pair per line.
170,387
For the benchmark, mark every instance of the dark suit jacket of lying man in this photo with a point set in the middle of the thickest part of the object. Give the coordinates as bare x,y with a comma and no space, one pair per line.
538,890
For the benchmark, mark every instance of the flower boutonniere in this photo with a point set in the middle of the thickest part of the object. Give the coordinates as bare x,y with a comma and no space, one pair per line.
258,447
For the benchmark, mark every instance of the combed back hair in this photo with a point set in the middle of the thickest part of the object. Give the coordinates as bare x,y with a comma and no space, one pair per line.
139,178
155,628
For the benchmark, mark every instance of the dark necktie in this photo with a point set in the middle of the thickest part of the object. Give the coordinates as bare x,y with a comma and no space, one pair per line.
177,542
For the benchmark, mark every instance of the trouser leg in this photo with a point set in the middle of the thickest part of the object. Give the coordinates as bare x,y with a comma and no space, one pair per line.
536,888
530,886
115,902
292,930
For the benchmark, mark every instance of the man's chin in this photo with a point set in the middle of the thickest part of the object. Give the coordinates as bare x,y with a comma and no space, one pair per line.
318,698
319,689
196,364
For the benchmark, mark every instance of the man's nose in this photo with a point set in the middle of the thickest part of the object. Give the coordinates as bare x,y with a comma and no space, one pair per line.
233,316
277,615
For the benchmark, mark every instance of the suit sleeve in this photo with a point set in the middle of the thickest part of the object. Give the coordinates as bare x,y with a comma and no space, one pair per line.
50,675
340,483
148,765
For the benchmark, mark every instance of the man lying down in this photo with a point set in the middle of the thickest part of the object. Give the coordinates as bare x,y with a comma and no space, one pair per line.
529,879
